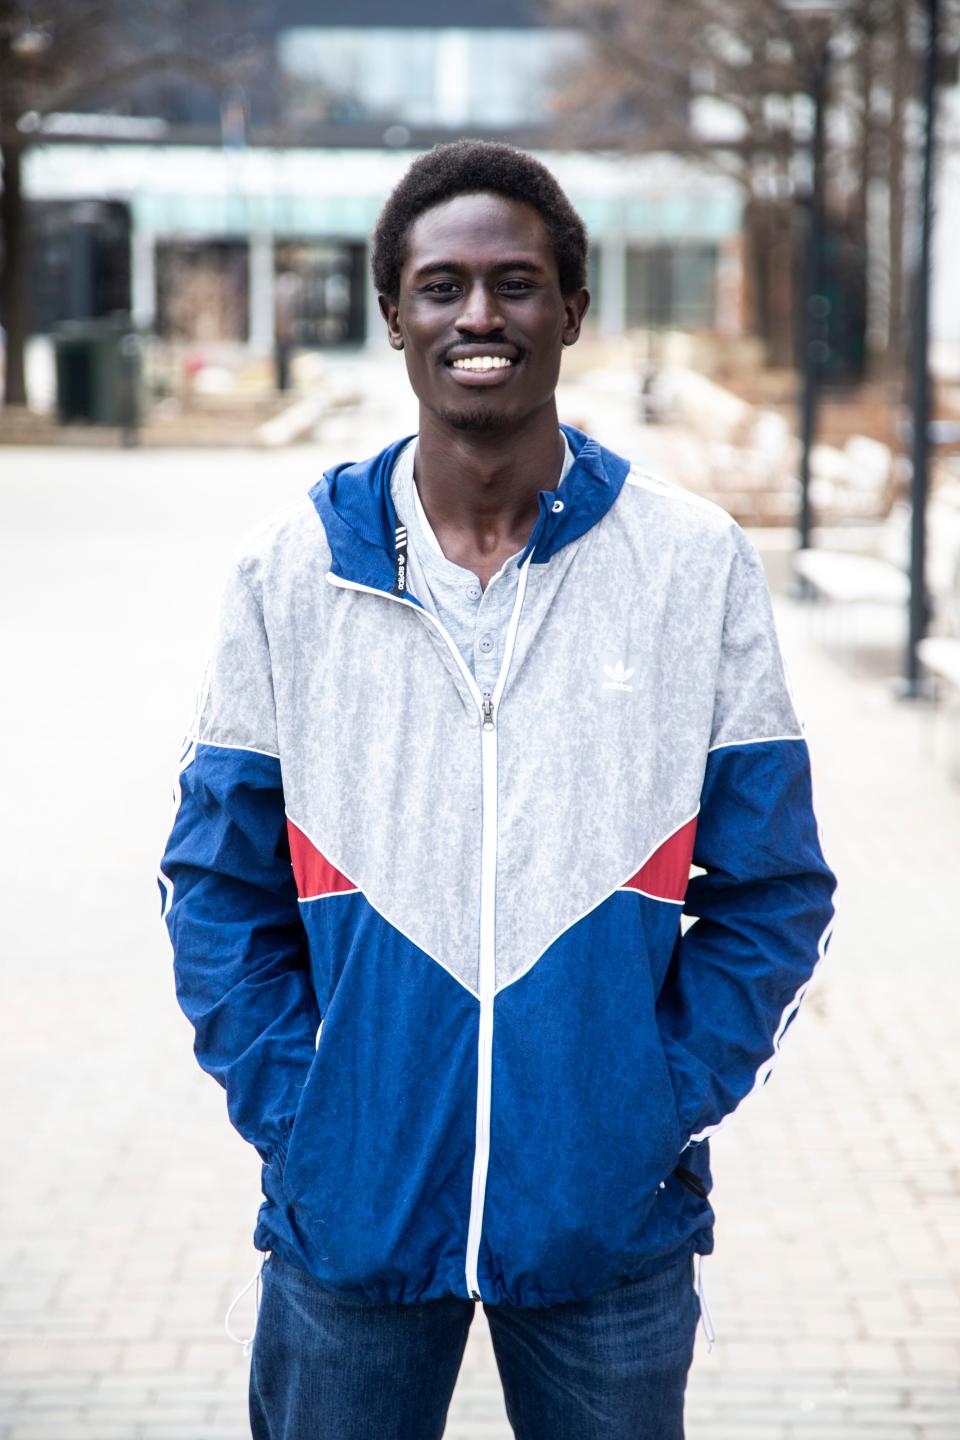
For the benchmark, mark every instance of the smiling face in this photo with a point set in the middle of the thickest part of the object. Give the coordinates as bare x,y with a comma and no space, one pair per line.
480,316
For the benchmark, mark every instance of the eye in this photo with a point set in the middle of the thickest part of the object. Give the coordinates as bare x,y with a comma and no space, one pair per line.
440,287
516,287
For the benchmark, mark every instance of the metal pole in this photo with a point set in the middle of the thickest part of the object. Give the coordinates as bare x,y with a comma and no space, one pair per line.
918,613
814,302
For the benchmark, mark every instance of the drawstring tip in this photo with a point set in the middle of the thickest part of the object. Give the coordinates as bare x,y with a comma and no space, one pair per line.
706,1320
255,1279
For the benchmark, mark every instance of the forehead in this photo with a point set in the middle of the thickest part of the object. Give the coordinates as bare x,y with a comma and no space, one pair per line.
478,230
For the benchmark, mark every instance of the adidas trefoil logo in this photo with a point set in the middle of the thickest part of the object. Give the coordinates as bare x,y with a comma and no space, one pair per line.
617,677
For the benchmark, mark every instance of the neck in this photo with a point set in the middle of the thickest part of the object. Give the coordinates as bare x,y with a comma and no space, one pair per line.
479,488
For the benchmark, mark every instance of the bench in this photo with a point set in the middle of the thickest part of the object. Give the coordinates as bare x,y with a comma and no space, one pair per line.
855,582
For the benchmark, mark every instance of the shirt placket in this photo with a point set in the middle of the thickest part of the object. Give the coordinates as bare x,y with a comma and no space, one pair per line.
487,639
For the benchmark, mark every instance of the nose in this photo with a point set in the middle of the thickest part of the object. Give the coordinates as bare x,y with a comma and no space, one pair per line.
480,313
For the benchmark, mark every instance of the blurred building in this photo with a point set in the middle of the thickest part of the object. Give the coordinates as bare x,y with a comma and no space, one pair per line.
218,221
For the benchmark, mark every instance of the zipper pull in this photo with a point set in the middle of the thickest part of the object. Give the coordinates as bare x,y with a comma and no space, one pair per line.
487,713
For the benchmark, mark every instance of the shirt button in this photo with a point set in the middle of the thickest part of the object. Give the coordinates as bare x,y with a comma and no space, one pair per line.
474,592
486,643
557,506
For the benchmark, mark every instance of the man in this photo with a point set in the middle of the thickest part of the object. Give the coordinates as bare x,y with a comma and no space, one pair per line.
476,706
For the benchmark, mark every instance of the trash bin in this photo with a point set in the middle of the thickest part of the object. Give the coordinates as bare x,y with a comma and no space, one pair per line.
99,366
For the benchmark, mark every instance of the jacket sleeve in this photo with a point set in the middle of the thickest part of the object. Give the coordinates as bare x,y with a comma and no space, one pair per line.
230,900
762,903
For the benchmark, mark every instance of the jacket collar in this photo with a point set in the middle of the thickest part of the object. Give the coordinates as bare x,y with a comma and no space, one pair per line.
354,502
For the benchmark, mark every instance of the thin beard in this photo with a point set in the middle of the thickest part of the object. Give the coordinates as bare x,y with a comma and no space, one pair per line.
481,418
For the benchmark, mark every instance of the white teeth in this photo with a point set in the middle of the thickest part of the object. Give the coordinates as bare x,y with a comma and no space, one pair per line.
482,362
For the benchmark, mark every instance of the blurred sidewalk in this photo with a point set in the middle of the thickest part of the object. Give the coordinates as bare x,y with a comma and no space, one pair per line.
128,1202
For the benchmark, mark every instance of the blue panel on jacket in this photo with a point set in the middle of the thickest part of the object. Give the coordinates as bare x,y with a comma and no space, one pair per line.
375,1189
581,1135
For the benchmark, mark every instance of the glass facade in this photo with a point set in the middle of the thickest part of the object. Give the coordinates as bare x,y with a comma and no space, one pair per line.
319,289
447,77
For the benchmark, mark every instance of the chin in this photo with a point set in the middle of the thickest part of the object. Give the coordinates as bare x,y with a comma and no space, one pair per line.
477,418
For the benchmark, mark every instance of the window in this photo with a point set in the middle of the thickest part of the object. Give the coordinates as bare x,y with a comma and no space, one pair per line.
202,290
446,77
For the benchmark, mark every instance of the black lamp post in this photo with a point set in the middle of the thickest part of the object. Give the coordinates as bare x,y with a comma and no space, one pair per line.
820,14
920,372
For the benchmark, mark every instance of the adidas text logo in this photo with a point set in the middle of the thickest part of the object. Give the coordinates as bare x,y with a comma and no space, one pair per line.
617,677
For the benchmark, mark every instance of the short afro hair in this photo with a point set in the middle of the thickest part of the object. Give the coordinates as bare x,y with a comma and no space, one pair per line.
467,167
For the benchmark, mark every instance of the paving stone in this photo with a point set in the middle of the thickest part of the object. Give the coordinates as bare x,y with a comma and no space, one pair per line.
850,1430
25,1359
188,1430
933,1356
156,1355
766,1428
877,1355
72,1428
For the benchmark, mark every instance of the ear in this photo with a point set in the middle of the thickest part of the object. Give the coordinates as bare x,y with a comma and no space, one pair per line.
575,306
390,311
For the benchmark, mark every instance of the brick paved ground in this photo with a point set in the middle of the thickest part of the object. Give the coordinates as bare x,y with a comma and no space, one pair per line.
128,1202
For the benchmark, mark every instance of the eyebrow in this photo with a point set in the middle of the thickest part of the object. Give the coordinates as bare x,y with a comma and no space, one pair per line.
438,266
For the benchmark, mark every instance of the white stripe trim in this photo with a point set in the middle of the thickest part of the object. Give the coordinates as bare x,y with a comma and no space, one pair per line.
329,895
790,1009
595,905
244,749
635,890
764,1071
754,740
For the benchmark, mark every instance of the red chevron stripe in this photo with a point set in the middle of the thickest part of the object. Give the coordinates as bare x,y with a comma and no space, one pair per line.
313,872
666,873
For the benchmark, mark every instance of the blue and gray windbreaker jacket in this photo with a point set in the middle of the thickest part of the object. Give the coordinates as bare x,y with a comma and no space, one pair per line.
431,940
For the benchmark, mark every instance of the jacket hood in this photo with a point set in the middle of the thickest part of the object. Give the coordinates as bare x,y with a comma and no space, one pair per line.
354,502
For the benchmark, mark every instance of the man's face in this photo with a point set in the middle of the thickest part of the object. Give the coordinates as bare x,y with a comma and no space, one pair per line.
480,317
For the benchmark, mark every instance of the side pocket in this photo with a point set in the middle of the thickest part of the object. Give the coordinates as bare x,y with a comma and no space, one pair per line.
289,1144
278,1161
681,1138
691,1181
279,1157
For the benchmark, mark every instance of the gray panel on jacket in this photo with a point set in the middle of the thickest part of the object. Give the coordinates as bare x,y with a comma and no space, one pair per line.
625,672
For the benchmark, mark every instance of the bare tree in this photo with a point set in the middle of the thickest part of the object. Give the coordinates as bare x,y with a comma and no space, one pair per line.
90,56
723,82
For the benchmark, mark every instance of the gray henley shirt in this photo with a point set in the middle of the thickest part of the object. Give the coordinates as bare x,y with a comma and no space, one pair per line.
477,620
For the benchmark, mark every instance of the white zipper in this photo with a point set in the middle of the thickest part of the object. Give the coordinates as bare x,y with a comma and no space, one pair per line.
487,705
486,986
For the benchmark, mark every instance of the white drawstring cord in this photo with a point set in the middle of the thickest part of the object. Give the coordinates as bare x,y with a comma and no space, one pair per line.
255,1279
705,1318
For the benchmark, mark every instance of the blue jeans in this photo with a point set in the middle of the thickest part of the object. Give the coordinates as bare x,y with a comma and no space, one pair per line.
613,1367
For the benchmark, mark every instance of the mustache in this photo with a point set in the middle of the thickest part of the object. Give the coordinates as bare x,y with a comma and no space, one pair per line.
481,340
